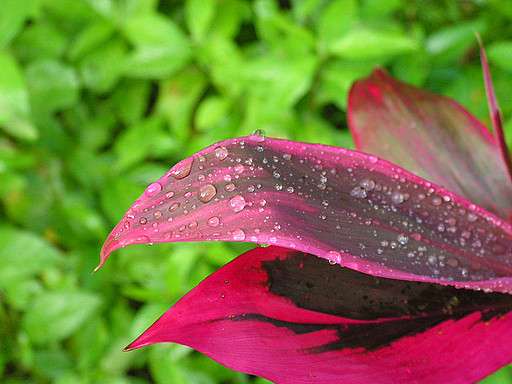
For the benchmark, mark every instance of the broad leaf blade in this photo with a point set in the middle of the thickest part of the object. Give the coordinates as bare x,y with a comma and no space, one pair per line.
432,136
293,318
346,206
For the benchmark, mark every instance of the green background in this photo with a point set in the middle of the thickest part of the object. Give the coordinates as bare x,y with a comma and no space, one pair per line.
100,97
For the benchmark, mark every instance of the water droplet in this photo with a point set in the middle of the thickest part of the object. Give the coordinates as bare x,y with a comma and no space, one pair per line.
436,200
153,189
367,184
173,207
258,136
397,198
472,217
402,239
169,194
143,220
239,168
213,221
334,257
237,203
182,170
207,192
238,235
452,262
358,193
373,159
221,153
287,156
157,214
230,187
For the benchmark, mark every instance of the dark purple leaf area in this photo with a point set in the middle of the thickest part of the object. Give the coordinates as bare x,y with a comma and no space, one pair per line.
351,208
408,307
294,318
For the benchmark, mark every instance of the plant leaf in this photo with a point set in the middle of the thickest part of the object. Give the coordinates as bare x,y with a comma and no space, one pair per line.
293,318
354,209
432,136
495,111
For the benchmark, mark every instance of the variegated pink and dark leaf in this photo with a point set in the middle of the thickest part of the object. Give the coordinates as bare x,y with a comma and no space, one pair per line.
351,208
433,137
295,319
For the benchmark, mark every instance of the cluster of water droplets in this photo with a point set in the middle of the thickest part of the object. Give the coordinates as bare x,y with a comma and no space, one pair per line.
333,200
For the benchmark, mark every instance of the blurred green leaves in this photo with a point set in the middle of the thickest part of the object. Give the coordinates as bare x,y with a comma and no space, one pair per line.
14,104
100,97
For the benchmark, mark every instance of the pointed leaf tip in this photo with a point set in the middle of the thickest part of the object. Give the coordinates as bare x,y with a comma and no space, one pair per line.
495,111
345,206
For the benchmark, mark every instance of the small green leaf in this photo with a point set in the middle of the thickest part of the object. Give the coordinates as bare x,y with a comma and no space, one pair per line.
199,15
161,48
13,15
102,68
365,43
40,40
62,313
52,85
137,142
14,105
335,20
23,255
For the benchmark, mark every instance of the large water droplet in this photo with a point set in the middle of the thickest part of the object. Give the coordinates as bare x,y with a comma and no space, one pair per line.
213,221
397,197
238,235
207,192
402,239
367,184
258,136
237,203
182,169
358,193
221,153
153,189
334,257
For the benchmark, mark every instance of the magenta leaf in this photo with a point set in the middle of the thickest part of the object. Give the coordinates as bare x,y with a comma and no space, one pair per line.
432,136
295,319
345,206
494,111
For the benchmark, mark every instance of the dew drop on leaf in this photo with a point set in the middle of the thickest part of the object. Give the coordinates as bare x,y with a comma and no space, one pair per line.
238,235
207,192
237,203
153,189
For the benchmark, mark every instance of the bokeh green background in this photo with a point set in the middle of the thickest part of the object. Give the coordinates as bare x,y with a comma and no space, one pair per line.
100,97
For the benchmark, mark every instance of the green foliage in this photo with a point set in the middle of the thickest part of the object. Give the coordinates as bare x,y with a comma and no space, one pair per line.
100,97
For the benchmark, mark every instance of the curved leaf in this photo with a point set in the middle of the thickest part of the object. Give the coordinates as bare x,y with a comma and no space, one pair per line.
495,111
432,136
346,206
293,318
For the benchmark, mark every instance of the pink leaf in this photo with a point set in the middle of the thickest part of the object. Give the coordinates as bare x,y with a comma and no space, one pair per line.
494,111
351,208
294,319
432,136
